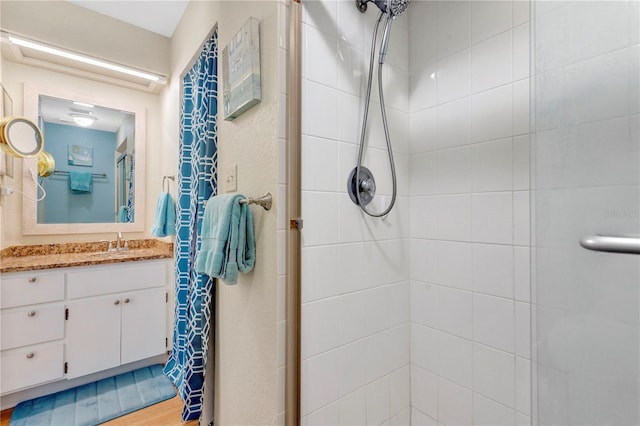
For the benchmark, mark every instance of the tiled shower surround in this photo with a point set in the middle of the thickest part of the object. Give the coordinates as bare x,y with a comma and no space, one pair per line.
421,317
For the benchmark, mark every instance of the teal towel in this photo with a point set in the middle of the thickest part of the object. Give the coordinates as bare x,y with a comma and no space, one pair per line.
80,181
122,214
228,243
164,222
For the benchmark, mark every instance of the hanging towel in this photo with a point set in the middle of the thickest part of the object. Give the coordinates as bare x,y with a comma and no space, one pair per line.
228,243
80,182
122,214
164,222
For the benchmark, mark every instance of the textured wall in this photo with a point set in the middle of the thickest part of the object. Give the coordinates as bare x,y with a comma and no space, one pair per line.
246,322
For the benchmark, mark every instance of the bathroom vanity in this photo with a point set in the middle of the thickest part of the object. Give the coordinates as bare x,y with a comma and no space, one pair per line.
81,314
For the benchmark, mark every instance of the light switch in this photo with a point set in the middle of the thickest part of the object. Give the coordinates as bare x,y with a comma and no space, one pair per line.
231,179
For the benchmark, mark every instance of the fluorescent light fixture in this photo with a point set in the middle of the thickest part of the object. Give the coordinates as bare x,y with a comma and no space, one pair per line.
83,104
83,120
83,59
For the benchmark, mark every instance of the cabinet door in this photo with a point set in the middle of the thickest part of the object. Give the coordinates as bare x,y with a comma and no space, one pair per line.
93,335
143,324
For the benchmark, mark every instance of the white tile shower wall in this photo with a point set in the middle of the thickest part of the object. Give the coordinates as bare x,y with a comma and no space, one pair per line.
469,212
459,120
355,269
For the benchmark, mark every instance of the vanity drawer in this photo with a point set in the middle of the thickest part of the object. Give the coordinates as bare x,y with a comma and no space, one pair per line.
116,278
31,288
31,325
31,366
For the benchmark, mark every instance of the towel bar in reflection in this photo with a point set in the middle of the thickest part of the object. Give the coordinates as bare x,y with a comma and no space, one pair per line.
66,173
265,201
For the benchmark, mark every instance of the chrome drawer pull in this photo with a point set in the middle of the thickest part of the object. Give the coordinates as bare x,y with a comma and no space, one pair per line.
32,279
30,355
31,313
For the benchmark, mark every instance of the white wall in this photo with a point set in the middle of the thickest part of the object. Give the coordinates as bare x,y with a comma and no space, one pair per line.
355,269
469,214
247,390
62,23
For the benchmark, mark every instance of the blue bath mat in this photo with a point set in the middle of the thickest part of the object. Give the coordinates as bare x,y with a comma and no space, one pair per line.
96,402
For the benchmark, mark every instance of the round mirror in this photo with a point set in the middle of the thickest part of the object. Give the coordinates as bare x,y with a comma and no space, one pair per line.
20,137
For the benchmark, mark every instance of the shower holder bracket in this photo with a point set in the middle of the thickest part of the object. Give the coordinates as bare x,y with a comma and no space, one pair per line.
362,5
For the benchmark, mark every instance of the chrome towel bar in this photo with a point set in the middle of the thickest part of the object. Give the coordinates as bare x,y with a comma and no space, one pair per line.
611,244
264,201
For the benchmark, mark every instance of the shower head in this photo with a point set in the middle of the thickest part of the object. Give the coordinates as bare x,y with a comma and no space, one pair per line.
392,7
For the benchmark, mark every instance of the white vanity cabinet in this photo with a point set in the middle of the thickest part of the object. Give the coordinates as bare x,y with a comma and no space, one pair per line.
115,317
65,323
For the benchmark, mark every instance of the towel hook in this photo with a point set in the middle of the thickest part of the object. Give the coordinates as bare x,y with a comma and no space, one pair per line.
164,179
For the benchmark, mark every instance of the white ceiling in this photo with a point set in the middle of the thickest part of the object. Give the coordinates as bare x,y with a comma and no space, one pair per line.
158,16
58,111
161,17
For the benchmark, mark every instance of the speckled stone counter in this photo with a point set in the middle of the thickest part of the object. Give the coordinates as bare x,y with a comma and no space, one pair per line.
49,256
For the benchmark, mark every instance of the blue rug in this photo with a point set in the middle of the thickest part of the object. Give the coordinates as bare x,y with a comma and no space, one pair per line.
96,402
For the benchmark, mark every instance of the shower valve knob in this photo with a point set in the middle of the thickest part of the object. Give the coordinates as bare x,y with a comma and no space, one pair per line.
365,189
368,185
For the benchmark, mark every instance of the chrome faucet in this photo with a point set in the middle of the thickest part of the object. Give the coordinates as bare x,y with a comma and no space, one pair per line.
121,245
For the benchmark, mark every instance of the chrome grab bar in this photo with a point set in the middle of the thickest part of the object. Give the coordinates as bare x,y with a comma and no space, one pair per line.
611,244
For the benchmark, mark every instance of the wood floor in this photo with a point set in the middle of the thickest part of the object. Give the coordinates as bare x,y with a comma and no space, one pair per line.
165,413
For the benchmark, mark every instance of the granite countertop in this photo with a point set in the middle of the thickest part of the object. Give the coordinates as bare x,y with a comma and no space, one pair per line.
49,256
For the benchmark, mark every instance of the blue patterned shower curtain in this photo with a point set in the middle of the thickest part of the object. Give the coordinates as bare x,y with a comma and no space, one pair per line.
196,183
132,190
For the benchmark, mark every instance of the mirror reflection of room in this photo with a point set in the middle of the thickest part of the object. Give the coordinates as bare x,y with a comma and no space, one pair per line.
93,148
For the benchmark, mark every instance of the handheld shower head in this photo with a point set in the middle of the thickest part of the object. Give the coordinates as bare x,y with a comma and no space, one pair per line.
393,7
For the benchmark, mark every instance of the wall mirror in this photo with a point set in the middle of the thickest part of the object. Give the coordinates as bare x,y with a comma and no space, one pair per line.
99,148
